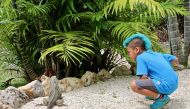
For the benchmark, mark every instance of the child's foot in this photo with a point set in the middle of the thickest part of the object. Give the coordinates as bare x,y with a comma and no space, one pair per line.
149,98
160,102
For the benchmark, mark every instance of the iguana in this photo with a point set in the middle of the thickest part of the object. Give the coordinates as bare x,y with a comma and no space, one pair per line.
55,93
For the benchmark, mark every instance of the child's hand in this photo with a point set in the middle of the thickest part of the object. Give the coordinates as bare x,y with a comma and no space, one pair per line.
176,65
175,62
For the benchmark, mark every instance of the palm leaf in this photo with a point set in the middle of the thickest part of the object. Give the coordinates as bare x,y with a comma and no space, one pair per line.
122,30
148,7
35,10
74,46
73,18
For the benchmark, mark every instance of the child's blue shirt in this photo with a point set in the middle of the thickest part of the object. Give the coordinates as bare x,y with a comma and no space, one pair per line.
158,68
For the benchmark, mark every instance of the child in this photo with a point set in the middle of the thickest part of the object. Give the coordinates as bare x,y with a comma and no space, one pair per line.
157,79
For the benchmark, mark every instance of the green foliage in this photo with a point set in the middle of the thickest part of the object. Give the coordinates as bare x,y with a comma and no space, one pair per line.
77,31
71,46
33,9
67,19
123,29
150,7
11,71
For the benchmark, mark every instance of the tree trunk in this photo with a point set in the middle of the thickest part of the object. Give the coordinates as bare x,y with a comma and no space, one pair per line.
26,62
186,32
174,37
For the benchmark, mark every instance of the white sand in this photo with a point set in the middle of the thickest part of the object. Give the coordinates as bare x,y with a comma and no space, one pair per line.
116,94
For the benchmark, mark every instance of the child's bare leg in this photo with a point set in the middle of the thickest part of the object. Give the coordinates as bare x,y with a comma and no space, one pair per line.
142,91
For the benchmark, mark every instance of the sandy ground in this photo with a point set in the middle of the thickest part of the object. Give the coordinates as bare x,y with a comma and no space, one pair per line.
116,94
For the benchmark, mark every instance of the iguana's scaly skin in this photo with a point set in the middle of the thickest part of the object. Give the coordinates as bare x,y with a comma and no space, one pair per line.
55,93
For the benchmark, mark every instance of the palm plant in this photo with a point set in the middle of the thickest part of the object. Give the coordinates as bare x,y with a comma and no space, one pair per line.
81,35
99,20
71,46
20,32
141,16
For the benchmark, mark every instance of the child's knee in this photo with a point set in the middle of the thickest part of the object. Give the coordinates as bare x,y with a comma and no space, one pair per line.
133,85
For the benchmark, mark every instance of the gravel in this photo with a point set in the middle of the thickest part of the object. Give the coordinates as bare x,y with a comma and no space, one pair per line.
115,93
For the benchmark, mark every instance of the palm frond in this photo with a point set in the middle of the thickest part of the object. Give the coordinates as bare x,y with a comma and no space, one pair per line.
170,9
74,46
35,10
148,7
74,18
6,3
7,10
7,44
71,7
123,29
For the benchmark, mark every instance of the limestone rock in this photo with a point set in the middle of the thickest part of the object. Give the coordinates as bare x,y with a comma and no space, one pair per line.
89,78
122,70
6,107
65,84
104,75
33,89
13,97
70,83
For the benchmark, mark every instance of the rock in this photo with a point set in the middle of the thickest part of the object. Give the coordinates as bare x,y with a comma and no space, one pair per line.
89,78
13,97
70,83
65,84
122,70
6,107
33,89
104,75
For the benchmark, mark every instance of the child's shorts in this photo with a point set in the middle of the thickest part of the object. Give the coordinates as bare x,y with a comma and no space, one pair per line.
146,84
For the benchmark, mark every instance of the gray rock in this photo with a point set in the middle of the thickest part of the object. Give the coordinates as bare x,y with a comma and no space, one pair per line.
122,70
13,97
33,89
89,78
104,75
